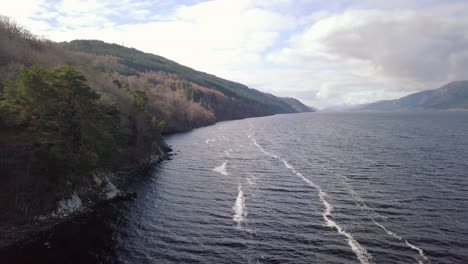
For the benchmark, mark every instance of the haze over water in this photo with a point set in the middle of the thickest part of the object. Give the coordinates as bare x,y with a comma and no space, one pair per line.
303,188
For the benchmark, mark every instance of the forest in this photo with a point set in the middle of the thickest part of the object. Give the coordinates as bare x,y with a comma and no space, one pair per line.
73,110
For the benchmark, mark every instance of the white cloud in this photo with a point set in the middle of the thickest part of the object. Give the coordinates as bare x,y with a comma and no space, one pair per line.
24,11
216,36
79,7
311,49
403,50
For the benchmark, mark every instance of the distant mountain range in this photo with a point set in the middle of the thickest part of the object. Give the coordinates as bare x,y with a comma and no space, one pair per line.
450,96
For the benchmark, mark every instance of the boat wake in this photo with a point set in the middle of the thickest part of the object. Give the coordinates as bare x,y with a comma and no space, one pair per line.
360,202
208,140
421,259
222,168
240,211
361,253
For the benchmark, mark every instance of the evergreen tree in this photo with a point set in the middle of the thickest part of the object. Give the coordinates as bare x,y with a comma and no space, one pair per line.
57,108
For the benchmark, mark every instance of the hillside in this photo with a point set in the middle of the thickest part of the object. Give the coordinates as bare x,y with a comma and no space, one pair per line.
74,114
297,105
234,100
450,96
407,102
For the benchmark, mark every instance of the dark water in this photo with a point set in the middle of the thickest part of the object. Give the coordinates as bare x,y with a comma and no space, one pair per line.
304,188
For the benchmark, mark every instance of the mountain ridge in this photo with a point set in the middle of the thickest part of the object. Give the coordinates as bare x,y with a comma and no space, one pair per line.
134,62
453,95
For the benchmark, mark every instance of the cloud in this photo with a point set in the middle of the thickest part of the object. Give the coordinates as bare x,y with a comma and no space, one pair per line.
24,11
409,48
324,52
219,36
321,88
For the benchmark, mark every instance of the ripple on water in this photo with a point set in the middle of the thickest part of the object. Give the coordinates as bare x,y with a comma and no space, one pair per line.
318,188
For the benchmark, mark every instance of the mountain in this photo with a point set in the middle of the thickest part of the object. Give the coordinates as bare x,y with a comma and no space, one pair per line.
407,102
235,101
76,116
450,96
298,106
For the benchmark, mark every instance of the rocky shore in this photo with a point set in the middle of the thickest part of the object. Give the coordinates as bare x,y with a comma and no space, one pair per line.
104,187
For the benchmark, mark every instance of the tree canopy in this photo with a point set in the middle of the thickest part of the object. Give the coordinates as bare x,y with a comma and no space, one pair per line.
58,109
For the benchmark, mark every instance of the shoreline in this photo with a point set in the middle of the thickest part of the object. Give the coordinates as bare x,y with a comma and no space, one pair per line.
13,233
21,233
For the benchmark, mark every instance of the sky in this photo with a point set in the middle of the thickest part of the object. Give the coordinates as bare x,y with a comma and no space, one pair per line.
324,53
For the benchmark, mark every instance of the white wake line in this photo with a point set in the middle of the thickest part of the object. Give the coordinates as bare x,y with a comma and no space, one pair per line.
222,168
208,140
420,251
361,253
363,204
239,208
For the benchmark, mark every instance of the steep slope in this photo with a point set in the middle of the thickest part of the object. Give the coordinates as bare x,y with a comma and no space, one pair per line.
407,102
297,105
69,118
450,96
239,101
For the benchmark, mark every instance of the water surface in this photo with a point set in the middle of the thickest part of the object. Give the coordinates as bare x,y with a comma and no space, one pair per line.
303,188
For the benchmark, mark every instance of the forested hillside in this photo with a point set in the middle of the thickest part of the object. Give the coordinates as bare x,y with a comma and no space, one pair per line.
233,101
73,114
61,124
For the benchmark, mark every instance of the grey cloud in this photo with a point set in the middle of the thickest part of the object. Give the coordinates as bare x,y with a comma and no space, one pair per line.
417,48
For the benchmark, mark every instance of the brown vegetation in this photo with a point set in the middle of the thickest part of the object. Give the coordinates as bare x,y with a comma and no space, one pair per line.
150,93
